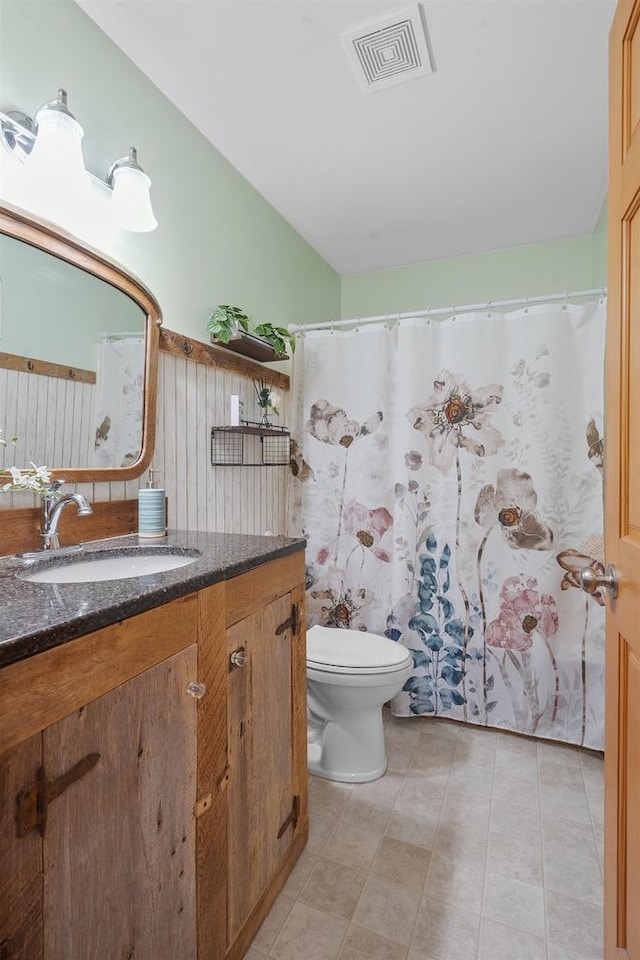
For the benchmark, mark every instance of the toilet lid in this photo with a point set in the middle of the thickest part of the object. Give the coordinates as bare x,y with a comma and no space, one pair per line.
349,650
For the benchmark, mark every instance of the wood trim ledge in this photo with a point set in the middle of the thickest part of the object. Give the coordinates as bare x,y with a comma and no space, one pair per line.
179,345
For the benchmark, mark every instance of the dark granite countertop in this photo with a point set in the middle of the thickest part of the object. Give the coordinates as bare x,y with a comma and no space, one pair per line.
37,616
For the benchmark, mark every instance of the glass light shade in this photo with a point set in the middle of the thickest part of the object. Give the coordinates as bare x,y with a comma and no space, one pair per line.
130,200
57,153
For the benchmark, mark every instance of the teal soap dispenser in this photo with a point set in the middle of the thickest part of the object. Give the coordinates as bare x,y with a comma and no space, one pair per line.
152,516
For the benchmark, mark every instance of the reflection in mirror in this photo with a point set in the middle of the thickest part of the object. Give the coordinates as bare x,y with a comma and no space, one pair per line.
78,342
83,406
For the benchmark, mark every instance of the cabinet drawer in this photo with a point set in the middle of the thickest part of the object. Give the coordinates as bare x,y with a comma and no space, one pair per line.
253,590
42,689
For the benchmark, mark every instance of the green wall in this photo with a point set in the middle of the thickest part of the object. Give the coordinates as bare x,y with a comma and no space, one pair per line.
578,263
218,240
42,295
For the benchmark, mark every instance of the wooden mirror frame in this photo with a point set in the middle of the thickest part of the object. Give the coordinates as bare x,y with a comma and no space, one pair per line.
52,239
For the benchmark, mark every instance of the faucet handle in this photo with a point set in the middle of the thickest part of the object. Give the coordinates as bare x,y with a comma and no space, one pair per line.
54,486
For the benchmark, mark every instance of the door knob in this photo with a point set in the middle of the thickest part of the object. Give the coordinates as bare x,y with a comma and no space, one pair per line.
238,658
590,581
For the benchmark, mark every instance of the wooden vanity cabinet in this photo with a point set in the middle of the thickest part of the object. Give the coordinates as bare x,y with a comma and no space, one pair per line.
178,816
257,771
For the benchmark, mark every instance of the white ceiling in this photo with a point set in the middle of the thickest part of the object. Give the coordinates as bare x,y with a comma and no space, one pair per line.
504,143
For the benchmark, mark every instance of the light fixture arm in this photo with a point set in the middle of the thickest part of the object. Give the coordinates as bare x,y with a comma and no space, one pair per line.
16,132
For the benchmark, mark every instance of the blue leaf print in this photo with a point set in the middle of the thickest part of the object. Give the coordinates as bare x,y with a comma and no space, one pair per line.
445,556
452,676
424,623
425,596
437,625
421,685
450,696
420,706
420,658
455,629
421,692
393,634
446,606
453,653
428,565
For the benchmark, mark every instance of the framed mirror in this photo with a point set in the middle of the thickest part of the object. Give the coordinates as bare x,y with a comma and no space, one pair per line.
78,356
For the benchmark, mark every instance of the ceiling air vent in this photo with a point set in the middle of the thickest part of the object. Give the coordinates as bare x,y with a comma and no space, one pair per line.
389,50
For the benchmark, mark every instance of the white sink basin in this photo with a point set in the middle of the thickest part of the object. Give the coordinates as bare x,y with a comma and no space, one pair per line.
107,568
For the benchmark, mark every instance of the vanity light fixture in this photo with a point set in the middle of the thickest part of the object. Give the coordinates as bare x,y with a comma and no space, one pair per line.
50,149
130,200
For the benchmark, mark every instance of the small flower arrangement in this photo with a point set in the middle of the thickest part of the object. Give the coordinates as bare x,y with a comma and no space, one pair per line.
265,401
36,480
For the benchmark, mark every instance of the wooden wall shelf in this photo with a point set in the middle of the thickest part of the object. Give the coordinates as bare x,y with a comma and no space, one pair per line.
249,346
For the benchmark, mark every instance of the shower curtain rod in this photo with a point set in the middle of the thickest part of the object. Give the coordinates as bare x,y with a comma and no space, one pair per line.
121,336
455,310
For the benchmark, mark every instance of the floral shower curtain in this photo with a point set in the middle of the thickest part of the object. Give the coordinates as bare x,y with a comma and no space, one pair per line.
119,401
448,478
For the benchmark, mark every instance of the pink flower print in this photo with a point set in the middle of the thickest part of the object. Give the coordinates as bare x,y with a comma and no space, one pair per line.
523,610
456,417
368,526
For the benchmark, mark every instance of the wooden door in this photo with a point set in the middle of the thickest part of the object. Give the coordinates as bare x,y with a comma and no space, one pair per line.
260,793
119,848
622,493
20,859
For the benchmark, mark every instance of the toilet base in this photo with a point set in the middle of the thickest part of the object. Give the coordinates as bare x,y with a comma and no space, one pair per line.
316,769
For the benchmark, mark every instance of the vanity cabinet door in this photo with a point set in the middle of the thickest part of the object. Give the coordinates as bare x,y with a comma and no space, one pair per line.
20,859
119,847
260,795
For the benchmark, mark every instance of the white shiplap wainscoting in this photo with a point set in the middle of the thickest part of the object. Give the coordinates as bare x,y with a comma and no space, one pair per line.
50,415
193,397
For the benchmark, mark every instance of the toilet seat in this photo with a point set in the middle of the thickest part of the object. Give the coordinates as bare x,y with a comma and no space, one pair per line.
334,651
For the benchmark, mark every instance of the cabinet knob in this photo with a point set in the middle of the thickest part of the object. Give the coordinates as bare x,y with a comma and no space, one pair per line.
197,690
238,658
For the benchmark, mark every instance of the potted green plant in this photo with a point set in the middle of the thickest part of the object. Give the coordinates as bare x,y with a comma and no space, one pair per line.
225,321
279,337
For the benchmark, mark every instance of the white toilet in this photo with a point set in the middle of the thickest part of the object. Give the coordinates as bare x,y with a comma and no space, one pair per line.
350,675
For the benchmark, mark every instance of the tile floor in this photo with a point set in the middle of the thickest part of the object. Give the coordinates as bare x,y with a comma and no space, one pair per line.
475,845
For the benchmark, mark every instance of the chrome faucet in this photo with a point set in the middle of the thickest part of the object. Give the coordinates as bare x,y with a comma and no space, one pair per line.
52,507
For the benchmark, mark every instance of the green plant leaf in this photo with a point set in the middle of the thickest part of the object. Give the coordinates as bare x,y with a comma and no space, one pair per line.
223,320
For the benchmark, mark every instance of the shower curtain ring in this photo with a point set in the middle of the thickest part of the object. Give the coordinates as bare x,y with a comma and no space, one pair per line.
526,304
489,309
428,316
454,313
566,297
357,324
333,323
